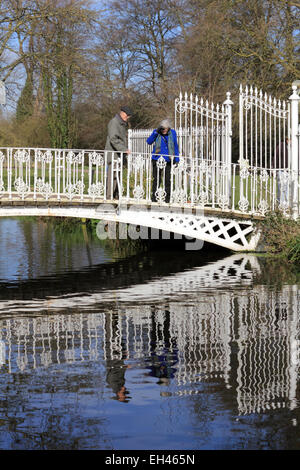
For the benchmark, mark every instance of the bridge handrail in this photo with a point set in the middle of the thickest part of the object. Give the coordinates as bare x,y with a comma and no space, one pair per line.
47,173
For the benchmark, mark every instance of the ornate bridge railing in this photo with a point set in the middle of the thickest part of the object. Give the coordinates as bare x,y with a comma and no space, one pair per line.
266,176
81,175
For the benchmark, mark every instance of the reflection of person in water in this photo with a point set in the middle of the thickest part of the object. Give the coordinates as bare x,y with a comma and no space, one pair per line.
115,366
162,359
115,378
161,367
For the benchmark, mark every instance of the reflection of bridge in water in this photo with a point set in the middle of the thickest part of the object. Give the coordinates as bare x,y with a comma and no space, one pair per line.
245,338
135,278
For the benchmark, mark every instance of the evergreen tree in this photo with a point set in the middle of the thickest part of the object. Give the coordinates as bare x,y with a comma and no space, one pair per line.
25,102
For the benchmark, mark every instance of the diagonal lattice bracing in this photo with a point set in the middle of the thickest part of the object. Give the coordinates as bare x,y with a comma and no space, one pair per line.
235,234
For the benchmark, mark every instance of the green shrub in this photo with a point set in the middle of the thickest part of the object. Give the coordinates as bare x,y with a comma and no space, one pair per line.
281,236
293,247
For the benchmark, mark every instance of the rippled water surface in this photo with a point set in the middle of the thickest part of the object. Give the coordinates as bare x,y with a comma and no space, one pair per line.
159,350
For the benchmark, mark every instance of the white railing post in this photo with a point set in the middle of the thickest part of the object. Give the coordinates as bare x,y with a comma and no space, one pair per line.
228,140
130,139
35,173
9,172
294,99
241,124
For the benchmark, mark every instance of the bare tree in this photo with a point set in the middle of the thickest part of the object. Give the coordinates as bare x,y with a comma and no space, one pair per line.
265,41
151,26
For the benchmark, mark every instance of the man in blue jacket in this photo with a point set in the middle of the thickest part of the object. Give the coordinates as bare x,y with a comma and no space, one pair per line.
166,146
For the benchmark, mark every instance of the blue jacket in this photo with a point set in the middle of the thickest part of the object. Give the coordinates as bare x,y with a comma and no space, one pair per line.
164,151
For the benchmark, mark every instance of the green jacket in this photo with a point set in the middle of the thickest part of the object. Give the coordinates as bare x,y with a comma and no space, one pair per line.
117,135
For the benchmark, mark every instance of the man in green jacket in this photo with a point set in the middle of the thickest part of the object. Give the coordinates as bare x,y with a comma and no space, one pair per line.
116,142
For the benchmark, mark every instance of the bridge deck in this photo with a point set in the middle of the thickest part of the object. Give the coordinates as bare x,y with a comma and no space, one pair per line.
85,201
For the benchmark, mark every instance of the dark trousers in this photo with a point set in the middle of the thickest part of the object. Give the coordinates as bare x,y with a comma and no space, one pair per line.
167,182
114,192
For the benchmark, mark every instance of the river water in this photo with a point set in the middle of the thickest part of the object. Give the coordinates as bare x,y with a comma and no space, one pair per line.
167,349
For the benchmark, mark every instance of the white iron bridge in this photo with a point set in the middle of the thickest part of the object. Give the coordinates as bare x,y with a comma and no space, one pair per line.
204,196
203,205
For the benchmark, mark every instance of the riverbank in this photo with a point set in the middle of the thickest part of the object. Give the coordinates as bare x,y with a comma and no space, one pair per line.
281,237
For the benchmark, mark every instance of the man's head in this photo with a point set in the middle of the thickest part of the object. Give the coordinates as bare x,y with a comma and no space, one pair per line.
125,113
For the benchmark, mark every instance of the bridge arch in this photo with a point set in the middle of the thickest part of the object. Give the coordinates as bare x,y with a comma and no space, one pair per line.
237,234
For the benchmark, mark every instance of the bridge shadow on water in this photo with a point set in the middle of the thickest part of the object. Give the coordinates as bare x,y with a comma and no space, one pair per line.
161,258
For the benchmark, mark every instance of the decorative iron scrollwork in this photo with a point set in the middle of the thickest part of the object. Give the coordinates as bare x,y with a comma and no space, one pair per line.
21,187
96,190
